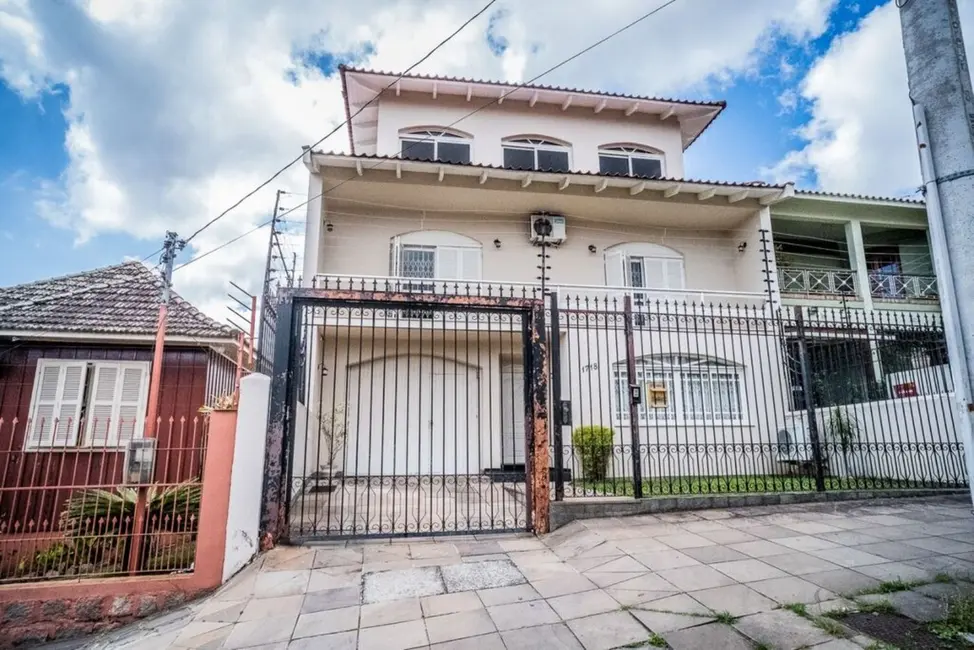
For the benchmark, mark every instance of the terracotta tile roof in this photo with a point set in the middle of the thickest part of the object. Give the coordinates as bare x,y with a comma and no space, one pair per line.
560,89
120,299
664,179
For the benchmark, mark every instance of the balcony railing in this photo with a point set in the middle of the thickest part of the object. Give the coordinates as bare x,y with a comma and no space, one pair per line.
532,290
903,287
819,282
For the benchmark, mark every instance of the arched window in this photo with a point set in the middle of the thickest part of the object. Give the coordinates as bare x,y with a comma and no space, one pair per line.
434,143
644,266
536,153
435,255
630,160
698,389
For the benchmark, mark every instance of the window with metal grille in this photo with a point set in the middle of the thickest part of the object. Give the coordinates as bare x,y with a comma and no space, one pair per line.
698,389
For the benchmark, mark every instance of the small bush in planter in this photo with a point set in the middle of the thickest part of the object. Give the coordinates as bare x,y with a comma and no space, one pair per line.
593,445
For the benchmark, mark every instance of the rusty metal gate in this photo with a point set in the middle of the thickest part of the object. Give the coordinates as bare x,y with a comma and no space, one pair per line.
409,414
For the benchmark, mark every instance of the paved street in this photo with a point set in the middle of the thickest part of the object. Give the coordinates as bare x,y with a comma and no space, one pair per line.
740,578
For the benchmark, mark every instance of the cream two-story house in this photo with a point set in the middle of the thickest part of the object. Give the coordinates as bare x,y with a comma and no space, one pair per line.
440,190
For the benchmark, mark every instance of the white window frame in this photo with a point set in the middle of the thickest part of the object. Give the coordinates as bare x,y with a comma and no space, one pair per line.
113,434
675,372
633,151
535,145
439,241
620,259
436,135
77,439
31,439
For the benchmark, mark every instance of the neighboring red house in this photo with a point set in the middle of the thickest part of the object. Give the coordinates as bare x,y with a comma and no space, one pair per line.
75,363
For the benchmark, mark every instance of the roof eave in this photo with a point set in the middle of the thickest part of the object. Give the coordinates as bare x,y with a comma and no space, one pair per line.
766,195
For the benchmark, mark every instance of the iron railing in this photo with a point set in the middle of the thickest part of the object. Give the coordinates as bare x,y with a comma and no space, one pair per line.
822,282
68,509
672,399
903,287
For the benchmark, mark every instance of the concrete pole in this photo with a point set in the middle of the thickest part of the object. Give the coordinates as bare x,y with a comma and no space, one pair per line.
940,89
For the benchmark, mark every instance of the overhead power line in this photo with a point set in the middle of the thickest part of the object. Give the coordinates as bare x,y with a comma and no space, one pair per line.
571,58
339,126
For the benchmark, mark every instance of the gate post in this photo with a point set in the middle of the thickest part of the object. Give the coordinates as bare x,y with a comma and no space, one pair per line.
556,423
275,492
809,400
634,398
540,489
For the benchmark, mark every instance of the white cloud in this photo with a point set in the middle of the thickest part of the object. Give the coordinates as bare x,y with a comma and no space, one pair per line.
860,135
179,107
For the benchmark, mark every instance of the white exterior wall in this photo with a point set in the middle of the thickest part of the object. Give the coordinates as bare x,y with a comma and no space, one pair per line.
580,127
359,245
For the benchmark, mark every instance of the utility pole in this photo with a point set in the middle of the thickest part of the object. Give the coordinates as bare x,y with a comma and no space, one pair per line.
265,292
943,110
171,245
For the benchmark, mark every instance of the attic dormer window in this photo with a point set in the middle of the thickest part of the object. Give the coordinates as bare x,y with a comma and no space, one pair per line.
434,145
536,154
630,160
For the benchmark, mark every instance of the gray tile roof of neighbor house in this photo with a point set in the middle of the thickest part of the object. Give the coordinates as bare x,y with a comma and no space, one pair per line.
120,299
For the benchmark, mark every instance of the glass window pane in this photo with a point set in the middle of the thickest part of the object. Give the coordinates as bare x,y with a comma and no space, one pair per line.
453,152
518,158
636,276
614,165
552,161
646,168
417,149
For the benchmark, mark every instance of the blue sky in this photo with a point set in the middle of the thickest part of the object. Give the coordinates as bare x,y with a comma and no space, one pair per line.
754,132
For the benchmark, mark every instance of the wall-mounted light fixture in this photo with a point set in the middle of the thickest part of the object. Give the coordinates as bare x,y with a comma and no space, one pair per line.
742,247
497,243
329,226
592,248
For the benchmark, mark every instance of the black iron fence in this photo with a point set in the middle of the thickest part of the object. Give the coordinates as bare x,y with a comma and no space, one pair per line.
664,397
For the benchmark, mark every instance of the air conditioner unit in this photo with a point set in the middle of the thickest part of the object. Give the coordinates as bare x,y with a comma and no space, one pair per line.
793,444
557,235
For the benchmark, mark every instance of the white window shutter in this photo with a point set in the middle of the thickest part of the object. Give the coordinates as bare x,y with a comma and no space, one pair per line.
395,248
674,274
654,273
102,421
470,264
615,269
447,263
132,390
56,406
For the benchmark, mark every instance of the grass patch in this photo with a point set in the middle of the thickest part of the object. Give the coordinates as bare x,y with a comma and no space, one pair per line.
682,485
829,626
881,607
798,608
879,645
893,586
943,578
726,617
959,619
657,641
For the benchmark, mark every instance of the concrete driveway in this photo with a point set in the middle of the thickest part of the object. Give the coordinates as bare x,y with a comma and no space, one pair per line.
741,578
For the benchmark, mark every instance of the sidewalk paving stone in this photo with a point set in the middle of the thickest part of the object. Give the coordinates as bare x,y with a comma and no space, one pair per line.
738,600
583,604
517,615
460,625
712,636
553,637
791,590
606,631
487,574
782,630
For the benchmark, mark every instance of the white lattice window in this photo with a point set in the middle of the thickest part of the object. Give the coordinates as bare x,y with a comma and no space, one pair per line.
436,255
698,390
533,153
110,397
644,266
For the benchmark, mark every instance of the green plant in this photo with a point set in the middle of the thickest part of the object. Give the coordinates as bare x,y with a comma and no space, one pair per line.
333,433
657,641
594,447
842,429
798,608
892,586
959,618
726,617
943,579
879,607
829,626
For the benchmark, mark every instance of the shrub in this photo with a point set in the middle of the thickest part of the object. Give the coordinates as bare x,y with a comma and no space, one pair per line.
593,444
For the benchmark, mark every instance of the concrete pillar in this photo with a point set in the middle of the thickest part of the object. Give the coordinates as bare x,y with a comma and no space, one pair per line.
312,230
857,259
940,81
